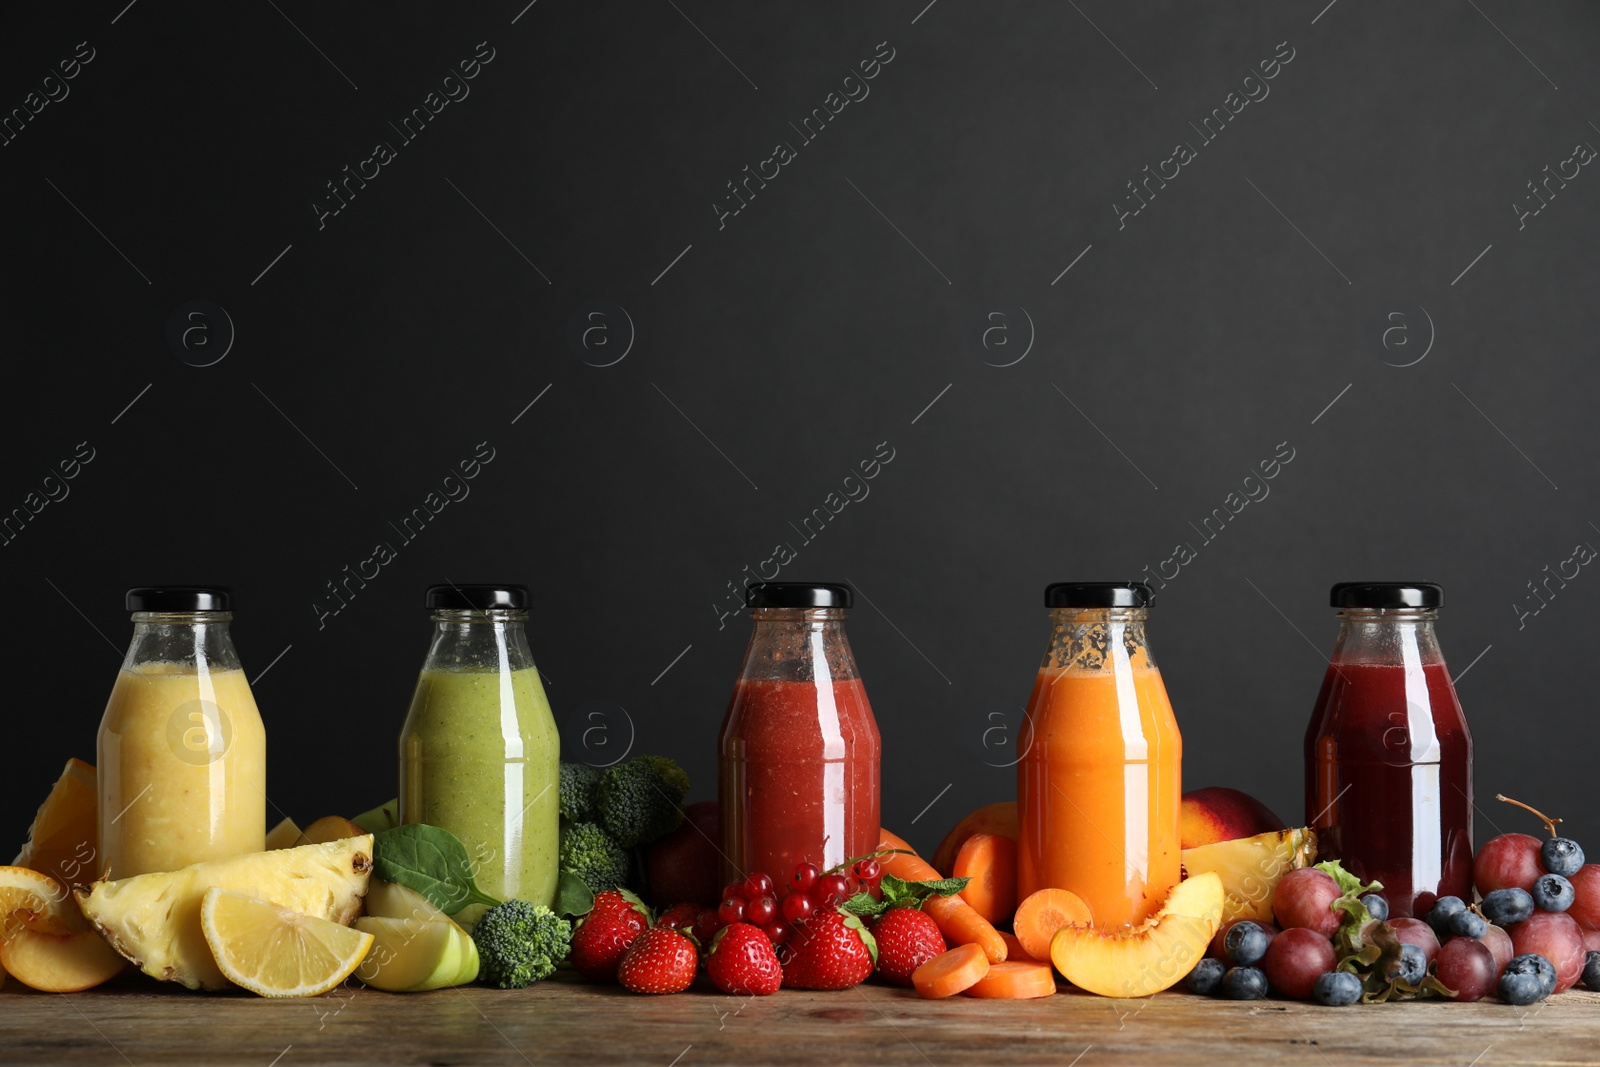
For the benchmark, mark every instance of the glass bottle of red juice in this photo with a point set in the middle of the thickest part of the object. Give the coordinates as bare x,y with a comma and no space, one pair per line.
799,758
1388,753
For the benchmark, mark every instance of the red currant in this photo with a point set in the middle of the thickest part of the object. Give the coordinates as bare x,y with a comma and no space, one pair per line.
733,891
706,924
869,871
778,931
798,906
758,884
805,877
833,888
731,911
760,910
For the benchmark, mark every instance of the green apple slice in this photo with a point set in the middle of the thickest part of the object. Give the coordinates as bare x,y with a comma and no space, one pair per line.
410,954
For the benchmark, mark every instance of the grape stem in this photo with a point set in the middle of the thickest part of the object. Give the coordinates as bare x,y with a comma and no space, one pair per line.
1549,823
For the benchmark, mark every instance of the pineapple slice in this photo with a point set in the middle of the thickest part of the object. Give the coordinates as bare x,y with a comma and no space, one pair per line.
1251,867
154,919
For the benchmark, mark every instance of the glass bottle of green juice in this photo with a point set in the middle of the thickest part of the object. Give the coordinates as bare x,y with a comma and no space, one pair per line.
479,754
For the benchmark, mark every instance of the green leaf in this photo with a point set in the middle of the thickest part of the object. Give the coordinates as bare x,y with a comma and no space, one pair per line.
855,923
573,896
381,818
899,893
1349,884
864,904
431,860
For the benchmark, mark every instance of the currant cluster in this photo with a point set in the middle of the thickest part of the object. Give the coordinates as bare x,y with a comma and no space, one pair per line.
759,901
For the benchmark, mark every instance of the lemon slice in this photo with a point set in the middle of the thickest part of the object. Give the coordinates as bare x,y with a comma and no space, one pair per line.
277,952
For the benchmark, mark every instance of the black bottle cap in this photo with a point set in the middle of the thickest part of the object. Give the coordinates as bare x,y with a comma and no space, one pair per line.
1384,595
798,595
477,597
165,599
1096,595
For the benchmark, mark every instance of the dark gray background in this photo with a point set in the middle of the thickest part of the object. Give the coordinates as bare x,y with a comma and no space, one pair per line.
1240,309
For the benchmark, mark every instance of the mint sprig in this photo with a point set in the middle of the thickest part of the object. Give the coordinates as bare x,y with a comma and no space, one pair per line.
899,893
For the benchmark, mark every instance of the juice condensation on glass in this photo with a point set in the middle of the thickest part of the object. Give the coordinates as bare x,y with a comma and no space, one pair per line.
1388,752
1100,785
181,752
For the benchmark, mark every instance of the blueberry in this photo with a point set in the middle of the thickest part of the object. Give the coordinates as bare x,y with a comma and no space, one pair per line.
1507,907
1439,917
1338,989
1206,978
1246,943
1244,983
1412,966
1591,971
1528,978
1551,892
1561,855
1376,906
1468,924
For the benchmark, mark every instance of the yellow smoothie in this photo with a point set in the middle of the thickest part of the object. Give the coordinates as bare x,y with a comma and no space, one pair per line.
479,756
182,758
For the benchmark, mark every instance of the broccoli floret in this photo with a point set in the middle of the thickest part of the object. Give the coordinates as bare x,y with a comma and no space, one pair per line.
642,799
578,783
593,855
520,943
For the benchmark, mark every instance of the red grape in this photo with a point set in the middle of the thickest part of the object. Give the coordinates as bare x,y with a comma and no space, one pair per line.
1416,932
731,911
760,910
1467,966
1296,959
1586,907
1499,944
758,884
1304,898
1505,862
1591,939
1217,951
1556,936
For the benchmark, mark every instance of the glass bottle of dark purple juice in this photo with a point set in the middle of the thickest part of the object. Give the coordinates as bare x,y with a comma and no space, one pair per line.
1388,754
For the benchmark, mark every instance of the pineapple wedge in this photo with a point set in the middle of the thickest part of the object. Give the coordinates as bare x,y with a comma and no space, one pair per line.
1250,868
154,919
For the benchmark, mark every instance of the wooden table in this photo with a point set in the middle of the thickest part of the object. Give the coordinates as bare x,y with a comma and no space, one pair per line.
568,1021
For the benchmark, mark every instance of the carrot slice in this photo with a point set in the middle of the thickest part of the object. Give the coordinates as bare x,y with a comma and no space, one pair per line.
951,972
1015,980
989,862
1042,914
1014,949
957,920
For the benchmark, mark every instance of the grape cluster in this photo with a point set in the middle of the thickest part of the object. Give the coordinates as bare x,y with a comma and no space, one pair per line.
1536,931
757,900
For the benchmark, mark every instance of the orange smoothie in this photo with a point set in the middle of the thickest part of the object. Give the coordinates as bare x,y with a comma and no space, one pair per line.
1100,786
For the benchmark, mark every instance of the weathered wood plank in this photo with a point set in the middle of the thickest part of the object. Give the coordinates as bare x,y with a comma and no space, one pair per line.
565,1021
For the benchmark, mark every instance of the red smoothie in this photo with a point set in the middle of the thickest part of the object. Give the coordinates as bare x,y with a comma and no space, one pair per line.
799,776
1389,780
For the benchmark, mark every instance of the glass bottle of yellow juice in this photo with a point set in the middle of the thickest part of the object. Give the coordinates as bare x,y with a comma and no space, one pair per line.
479,753
182,753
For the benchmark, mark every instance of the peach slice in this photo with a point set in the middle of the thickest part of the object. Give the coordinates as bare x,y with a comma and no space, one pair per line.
59,963
64,833
1143,960
33,900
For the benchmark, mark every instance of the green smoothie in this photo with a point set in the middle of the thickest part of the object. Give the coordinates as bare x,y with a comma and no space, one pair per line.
479,756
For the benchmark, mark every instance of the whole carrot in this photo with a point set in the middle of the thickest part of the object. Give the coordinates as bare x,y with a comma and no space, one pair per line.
956,919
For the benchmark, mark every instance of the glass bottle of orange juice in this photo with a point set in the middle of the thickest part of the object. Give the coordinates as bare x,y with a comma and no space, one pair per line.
1099,787
182,753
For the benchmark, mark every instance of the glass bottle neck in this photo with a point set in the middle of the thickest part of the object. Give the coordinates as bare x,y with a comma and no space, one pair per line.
1096,639
494,640
798,644
1388,636
191,639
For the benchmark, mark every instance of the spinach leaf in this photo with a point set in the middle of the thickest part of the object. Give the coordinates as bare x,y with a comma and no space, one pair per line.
431,860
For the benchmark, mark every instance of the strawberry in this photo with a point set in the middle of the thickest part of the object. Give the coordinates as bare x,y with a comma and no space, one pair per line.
830,950
679,916
603,937
660,960
742,961
907,938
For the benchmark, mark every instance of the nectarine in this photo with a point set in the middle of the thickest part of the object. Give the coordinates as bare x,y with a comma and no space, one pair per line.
686,865
1216,813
